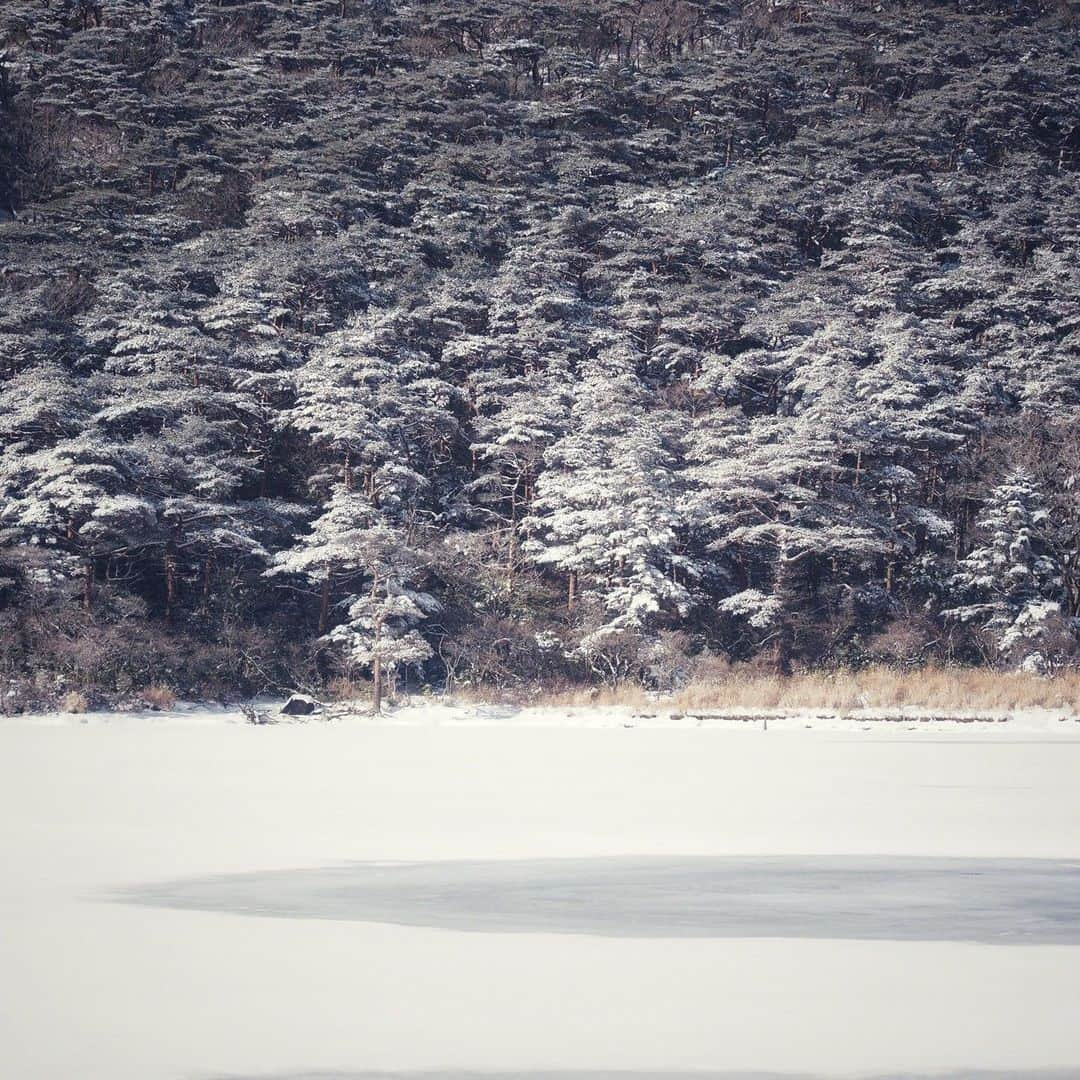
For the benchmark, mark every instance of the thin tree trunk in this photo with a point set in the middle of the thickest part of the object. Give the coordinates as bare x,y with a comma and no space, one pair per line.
170,578
377,677
511,552
88,584
324,606
208,564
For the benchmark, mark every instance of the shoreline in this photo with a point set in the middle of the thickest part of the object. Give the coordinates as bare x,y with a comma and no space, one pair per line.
432,713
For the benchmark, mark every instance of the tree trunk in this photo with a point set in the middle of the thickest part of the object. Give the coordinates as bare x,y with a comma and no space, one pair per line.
377,691
208,565
511,554
324,606
571,591
88,584
170,578
785,641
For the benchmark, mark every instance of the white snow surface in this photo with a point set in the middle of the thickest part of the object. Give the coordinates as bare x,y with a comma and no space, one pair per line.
104,806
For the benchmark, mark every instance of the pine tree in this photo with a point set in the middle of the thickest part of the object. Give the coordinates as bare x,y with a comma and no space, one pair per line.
329,556
606,514
1011,585
380,629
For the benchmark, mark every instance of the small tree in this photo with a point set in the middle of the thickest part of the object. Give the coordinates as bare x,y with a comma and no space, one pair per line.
381,633
380,630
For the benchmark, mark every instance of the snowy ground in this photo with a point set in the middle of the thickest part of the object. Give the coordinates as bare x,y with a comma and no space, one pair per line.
134,853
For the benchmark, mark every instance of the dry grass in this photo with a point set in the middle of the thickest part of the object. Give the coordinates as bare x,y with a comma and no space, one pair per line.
159,696
74,701
953,691
344,689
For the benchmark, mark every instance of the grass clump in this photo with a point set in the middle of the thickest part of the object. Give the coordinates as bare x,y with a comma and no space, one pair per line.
74,701
159,696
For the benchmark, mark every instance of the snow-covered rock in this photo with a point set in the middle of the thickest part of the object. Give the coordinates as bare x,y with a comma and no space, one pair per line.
300,705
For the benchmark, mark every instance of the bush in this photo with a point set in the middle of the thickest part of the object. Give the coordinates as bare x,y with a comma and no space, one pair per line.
503,653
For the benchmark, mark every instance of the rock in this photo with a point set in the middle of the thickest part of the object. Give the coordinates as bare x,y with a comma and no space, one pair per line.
299,705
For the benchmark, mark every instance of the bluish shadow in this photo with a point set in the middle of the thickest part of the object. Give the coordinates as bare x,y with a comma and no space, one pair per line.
967,1074
998,901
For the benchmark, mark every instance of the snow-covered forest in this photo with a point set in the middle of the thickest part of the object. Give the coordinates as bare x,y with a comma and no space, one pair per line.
530,343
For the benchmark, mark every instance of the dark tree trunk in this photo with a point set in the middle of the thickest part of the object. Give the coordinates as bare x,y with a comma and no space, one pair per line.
785,641
324,607
170,579
208,568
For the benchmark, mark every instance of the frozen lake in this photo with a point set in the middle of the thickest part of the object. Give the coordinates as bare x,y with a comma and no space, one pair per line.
543,904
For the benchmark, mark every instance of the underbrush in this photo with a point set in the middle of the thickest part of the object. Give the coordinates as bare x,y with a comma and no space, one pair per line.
64,659
61,658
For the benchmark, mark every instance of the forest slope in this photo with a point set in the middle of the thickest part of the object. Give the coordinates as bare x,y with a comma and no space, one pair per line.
521,342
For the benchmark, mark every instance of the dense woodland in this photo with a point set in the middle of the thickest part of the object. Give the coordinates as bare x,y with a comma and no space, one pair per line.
522,343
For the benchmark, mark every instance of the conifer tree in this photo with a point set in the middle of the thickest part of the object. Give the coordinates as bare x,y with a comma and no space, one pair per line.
1011,585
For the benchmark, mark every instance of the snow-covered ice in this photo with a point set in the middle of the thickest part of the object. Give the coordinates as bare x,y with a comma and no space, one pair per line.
572,985
892,898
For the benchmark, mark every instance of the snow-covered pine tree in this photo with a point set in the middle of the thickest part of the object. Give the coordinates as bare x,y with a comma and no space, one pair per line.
75,497
380,629
328,557
375,410
606,515
1009,583
338,412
